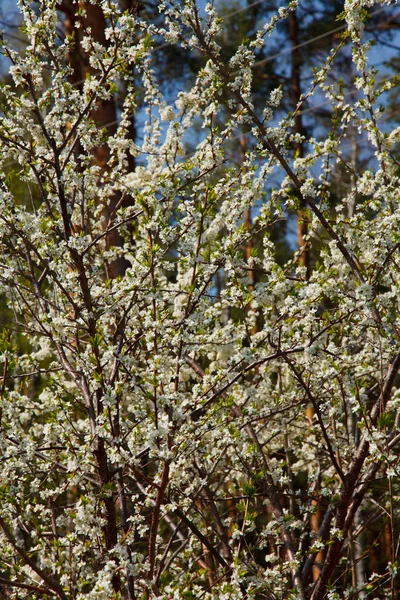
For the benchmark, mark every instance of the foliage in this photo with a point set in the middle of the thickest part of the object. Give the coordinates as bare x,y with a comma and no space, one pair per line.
170,427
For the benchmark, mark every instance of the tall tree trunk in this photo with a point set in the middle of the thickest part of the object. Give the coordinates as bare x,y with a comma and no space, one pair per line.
302,224
104,112
248,222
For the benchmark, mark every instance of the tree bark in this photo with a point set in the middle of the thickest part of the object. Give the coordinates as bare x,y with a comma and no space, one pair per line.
302,219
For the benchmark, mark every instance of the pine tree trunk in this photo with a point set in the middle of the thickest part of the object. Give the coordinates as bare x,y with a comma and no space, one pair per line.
302,224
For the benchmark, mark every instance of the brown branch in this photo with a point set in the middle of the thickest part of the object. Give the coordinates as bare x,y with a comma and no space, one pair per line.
197,412
26,586
156,518
322,533
351,494
202,538
321,423
50,580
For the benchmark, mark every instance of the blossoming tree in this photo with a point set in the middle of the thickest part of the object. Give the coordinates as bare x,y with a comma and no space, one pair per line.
163,436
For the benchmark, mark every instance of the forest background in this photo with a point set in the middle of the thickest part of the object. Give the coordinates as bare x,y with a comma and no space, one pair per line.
200,321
